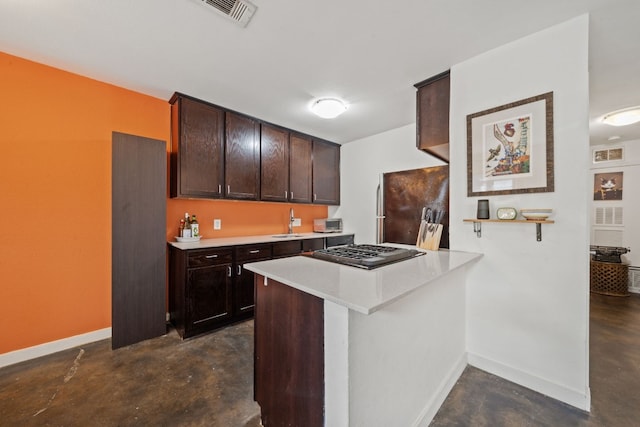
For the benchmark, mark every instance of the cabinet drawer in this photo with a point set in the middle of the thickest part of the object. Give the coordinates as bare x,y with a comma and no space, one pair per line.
291,247
312,244
340,240
209,257
253,252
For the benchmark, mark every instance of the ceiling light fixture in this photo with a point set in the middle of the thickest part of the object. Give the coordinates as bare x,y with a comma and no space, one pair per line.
328,108
624,117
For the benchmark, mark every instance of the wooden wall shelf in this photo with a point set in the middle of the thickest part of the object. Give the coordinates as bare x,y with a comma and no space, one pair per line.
477,227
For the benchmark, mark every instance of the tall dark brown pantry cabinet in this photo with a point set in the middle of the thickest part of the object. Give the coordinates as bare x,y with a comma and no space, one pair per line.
138,256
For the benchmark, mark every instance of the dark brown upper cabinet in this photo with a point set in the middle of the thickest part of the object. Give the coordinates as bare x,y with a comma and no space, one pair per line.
432,121
197,149
300,167
286,165
218,153
274,163
326,173
242,157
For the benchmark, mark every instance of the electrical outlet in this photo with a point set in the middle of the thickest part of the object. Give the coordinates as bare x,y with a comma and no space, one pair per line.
217,224
297,222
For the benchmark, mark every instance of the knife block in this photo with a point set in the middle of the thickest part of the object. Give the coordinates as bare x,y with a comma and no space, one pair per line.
429,236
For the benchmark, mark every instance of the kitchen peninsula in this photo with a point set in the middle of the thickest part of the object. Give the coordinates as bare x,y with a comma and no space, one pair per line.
342,346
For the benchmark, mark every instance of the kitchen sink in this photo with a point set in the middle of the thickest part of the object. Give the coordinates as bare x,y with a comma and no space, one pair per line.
284,236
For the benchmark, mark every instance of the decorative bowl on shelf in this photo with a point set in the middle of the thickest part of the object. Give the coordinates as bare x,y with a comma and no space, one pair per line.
536,214
187,239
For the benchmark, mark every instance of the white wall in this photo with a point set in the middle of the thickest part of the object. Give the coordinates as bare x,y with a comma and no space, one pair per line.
425,358
527,301
362,163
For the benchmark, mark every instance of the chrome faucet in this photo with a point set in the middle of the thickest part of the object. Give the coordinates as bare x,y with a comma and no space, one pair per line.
291,221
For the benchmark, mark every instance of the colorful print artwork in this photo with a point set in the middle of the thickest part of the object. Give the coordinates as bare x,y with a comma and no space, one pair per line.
510,148
507,148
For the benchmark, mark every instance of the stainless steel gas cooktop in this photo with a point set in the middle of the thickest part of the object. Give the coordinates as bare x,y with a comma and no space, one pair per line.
365,256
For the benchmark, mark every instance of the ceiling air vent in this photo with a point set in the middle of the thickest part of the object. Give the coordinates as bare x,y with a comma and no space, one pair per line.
239,11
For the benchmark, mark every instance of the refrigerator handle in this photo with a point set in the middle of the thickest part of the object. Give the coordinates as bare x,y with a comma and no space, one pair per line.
379,212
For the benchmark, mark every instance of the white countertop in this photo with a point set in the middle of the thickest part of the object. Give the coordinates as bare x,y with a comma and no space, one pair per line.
248,240
364,291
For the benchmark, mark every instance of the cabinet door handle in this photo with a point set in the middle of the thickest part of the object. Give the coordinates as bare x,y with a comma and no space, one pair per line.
292,195
286,194
211,256
254,251
315,197
228,189
229,271
239,270
220,188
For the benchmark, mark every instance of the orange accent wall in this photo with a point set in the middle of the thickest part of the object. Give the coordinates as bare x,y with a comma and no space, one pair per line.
55,192
55,215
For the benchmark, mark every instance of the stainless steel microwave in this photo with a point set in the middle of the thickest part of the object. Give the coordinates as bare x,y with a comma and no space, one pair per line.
327,225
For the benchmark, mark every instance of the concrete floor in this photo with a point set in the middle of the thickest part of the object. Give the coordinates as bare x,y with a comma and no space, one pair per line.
480,399
205,381
208,381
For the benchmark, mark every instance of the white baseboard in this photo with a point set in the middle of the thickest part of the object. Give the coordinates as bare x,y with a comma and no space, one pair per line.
433,405
29,353
577,398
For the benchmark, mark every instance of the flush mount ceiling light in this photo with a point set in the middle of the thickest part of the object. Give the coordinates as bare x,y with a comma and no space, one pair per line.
624,117
328,108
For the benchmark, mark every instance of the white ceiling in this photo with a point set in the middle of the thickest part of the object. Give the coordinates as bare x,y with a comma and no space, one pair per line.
369,53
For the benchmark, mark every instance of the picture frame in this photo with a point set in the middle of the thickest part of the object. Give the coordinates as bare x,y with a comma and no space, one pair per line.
608,155
510,148
608,186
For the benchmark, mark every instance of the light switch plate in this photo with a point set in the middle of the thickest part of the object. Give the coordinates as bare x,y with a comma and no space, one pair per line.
217,224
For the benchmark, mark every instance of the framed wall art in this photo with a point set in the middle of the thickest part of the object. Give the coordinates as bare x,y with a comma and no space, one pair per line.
510,148
608,155
607,186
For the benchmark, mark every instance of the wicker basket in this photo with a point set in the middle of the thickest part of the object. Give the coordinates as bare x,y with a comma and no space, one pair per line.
610,278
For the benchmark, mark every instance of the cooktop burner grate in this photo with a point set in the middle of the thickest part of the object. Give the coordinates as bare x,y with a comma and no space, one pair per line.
365,256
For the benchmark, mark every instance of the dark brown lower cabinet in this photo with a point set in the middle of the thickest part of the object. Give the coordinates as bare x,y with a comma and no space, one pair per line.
289,355
208,294
200,292
209,288
287,248
347,239
309,245
243,292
